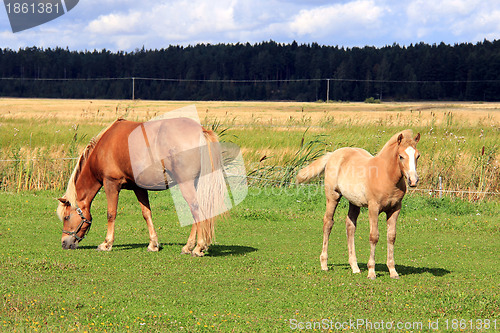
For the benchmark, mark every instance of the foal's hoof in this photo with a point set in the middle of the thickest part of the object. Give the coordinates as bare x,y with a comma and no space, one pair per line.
396,277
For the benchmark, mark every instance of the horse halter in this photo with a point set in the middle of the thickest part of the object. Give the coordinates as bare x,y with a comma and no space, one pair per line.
75,233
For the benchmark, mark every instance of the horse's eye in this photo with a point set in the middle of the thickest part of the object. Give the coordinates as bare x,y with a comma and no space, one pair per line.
66,218
401,157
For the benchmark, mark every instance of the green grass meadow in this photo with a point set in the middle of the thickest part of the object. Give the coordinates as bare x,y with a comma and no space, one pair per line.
263,272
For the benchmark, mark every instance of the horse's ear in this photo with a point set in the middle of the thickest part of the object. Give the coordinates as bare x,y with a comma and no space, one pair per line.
417,138
400,138
64,201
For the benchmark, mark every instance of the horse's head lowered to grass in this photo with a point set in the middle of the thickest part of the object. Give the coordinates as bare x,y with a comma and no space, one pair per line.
75,224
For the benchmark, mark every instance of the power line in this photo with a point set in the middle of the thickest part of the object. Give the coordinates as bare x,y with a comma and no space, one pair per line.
132,78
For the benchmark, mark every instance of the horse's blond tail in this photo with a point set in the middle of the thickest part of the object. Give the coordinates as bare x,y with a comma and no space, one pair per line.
211,189
314,169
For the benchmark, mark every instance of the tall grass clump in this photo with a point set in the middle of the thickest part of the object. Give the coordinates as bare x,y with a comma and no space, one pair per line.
282,171
38,161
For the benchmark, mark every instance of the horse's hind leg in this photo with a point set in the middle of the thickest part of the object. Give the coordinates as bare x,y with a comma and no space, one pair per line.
142,197
332,200
350,224
188,191
191,243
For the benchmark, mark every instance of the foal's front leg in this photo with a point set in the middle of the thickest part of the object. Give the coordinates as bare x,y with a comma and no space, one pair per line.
391,239
373,212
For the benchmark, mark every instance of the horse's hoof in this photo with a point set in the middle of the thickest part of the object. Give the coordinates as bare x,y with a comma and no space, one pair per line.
103,248
197,254
372,277
185,251
396,277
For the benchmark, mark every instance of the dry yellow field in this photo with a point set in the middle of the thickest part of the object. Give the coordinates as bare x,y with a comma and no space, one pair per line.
265,113
461,141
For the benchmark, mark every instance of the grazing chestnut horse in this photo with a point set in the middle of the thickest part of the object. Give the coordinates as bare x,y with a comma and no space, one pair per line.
376,182
106,161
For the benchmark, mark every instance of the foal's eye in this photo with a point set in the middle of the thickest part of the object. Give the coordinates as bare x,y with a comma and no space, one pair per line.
401,157
66,218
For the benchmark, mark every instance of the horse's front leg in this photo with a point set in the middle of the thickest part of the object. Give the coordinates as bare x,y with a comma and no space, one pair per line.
373,211
112,192
392,217
142,197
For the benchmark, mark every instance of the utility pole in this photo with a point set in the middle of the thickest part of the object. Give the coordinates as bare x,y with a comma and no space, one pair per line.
327,90
133,88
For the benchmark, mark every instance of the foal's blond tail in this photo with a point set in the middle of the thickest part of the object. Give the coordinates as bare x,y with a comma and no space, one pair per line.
211,189
313,170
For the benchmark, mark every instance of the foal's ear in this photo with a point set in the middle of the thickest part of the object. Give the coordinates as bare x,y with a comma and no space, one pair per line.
417,138
400,138
64,201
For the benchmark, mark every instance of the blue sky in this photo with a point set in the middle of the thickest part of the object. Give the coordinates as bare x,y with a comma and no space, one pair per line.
130,24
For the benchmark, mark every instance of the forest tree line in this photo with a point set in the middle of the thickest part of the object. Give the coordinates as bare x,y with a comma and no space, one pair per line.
263,71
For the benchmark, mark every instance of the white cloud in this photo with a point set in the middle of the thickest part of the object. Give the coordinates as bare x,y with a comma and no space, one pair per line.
350,18
172,22
130,24
452,20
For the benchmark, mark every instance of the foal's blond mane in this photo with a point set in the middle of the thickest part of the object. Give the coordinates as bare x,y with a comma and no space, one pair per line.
70,194
407,139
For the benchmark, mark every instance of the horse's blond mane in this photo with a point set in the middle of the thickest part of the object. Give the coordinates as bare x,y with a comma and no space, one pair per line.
407,137
70,194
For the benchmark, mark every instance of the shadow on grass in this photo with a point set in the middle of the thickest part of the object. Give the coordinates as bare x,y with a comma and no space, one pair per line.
229,250
122,247
213,251
401,269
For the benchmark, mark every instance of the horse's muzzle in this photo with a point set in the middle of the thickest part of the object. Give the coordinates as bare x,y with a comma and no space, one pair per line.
69,243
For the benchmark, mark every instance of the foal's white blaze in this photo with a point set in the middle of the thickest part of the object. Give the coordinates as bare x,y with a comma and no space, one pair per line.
412,172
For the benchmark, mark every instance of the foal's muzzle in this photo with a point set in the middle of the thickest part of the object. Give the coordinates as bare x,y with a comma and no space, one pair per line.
413,180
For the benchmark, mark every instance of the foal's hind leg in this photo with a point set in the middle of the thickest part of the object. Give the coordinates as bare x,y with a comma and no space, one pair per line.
142,197
350,224
332,200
